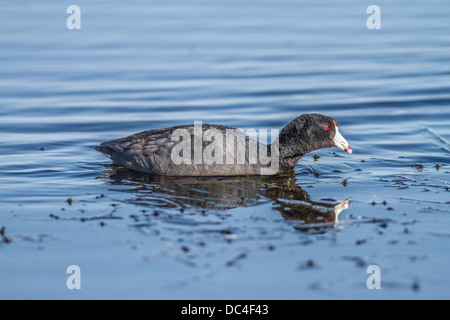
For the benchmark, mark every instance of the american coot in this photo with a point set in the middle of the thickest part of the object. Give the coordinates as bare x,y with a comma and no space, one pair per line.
216,150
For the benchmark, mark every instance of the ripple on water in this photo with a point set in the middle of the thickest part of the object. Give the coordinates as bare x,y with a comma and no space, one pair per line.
62,92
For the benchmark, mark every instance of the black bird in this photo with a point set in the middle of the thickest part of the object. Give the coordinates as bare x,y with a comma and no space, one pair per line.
216,150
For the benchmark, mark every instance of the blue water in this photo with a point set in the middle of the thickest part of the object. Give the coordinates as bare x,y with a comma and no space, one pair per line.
144,65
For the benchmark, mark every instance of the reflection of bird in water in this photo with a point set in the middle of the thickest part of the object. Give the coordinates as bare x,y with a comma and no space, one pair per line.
223,193
217,193
295,204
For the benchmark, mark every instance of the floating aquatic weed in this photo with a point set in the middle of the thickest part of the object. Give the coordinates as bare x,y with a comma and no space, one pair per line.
233,261
415,286
6,238
308,265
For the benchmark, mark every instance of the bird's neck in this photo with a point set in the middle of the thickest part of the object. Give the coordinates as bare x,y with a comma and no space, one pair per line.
293,144
289,156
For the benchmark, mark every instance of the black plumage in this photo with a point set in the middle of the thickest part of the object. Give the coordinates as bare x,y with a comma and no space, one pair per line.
152,151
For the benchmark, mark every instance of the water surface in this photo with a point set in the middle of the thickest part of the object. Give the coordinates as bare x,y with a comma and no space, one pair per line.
145,65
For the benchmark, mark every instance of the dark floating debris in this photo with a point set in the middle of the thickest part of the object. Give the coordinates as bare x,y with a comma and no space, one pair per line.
69,201
415,286
359,262
104,217
308,265
233,261
5,238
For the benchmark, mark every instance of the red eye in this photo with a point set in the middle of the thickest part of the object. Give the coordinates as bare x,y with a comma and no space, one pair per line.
326,128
